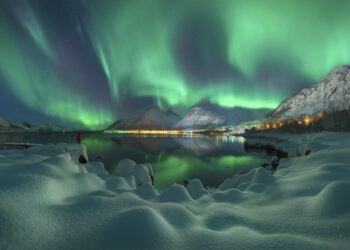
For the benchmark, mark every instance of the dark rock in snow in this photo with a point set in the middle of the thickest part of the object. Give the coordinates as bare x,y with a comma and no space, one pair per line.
82,159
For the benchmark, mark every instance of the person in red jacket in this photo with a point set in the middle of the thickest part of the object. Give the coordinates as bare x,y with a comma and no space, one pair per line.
79,138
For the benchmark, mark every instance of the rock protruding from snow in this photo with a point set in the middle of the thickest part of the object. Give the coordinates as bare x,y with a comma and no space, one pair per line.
331,94
153,118
200,118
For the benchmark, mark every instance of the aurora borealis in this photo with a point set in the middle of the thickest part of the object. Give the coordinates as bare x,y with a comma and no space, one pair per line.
87,63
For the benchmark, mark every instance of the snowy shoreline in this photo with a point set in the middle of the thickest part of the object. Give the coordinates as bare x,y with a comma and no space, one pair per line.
48,200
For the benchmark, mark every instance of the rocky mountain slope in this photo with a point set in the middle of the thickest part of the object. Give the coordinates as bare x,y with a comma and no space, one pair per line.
8,127
153,118
47,127
331,94
236,115
200,118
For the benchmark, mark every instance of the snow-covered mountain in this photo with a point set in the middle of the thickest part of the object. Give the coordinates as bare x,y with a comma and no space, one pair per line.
153,118
47,127
4,125
200,118
235,115
331,94
9,127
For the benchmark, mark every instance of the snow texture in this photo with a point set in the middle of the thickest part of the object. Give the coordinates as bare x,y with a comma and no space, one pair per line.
48,200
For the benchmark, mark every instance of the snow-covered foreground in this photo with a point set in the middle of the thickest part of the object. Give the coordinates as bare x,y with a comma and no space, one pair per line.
50,201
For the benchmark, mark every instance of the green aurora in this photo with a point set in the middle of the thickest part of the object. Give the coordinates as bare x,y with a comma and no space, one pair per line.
88,61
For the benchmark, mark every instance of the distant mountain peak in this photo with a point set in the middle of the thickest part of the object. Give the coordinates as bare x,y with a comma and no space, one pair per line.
200,118
152,118
6,126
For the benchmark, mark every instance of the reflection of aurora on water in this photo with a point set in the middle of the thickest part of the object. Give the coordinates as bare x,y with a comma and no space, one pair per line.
209,158
211,170
174,159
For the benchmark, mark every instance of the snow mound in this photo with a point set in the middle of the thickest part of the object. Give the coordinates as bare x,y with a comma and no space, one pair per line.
196,189
333,200
175,193
253,177
49,200
125,167
147,191
142,173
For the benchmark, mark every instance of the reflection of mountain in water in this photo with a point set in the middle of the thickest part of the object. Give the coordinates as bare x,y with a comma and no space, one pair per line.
210,146
174,159
200,146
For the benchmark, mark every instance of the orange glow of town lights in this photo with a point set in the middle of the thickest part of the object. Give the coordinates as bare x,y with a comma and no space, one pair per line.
277,124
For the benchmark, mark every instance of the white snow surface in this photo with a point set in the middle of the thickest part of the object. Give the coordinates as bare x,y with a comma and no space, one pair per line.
50,201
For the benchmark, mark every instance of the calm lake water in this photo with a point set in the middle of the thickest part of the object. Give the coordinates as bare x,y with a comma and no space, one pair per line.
211,159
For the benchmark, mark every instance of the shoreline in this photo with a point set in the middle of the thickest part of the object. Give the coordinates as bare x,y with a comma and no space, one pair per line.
303,205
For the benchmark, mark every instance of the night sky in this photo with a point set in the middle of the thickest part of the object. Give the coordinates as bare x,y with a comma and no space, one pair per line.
86,63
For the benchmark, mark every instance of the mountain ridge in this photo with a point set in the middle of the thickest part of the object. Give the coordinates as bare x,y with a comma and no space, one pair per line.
200,118
152,118
6,126
330,94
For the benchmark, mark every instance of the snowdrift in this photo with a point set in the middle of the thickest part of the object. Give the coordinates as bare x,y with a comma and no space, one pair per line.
48,200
